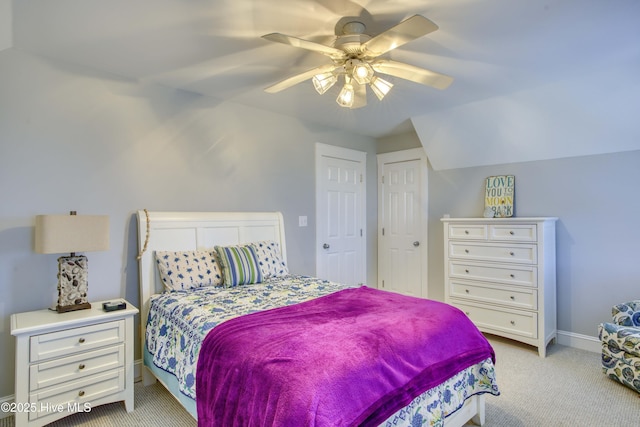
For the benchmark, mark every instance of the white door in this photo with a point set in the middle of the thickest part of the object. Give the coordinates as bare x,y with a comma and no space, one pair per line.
340,201
402,237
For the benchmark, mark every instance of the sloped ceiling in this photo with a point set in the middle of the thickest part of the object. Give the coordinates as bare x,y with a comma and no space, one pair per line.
518,65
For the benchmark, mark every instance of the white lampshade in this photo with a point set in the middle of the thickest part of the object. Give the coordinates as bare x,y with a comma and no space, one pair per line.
323,82
71,233
346,96
380,87
362,72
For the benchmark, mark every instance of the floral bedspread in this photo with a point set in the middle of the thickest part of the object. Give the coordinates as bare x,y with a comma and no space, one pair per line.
179,321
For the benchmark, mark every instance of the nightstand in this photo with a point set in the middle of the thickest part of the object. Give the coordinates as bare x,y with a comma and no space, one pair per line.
71,362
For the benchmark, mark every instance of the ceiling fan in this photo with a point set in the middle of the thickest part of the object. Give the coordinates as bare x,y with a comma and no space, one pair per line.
356,56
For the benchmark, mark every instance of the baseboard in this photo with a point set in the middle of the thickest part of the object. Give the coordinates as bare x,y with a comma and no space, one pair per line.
583,342
4,401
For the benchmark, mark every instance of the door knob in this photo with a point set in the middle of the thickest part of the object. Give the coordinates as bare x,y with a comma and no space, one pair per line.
416,243
326,246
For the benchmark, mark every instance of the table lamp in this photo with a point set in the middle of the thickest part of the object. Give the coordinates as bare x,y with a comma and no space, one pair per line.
72,233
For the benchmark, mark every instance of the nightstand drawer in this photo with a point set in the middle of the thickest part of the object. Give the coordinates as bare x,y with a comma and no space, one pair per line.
74,367
76,393
70,341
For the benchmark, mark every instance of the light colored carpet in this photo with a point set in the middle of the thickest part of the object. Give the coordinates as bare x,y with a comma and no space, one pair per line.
567,388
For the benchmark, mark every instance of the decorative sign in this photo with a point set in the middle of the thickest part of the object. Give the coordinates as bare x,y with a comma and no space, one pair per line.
499,196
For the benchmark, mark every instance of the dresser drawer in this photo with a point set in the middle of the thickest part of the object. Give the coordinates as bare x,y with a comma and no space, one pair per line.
524,254
71,341
470,231
521,297
521,323
520,275
47,374
513,232
76,392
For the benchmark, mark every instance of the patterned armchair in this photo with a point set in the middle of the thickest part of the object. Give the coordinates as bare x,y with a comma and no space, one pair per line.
621,345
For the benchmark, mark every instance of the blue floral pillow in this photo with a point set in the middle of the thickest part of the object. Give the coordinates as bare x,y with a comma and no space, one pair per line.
184,270
270,259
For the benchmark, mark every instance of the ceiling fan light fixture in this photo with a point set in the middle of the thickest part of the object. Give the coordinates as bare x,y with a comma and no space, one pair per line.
362,72
380,87
324,81
346,96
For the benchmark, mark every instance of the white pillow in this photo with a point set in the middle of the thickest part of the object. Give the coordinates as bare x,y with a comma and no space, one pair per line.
184,270
270,259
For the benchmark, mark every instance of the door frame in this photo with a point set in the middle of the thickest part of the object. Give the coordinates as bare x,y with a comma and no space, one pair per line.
404,156
350,155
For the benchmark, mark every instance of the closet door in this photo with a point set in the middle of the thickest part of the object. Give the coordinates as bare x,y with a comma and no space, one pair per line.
402,216
340,201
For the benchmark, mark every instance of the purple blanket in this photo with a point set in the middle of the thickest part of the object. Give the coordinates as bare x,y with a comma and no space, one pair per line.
354,357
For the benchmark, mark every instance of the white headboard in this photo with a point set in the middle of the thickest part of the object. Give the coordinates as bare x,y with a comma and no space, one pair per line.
183,231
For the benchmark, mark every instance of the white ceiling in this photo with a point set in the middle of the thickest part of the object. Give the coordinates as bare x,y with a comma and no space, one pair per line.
213,47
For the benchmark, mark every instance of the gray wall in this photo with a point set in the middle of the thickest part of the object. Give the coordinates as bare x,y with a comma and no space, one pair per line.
596,201
76,139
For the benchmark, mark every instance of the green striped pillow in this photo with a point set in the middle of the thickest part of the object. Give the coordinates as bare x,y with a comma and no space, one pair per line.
239,265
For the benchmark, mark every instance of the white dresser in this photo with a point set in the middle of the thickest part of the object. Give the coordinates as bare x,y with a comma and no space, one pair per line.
502,273
71,362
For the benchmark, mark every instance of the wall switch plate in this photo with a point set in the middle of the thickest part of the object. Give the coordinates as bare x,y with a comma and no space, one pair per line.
302,221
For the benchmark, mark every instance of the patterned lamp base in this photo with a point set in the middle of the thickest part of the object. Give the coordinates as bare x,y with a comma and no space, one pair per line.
72,283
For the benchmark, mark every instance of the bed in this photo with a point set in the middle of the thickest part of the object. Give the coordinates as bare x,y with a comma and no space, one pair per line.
177,325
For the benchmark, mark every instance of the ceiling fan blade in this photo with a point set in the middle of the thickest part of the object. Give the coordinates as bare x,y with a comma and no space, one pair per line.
305,44
299,78
406,31
360,95
412,73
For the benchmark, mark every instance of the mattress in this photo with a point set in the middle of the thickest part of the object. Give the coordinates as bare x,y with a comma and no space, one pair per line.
179,321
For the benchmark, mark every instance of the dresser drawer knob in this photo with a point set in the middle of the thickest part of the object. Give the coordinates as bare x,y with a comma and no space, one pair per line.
81,340
81,366
81,393
466,290
511,232
512,298
466,270
513,322
513,276
512,253
466,312
466,231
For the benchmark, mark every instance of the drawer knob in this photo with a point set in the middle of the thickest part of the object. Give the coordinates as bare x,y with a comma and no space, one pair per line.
81,340
466,251
81,393
466,290
511,253
511,232
512,298
466,231
512,276
81,366
466,312
466,270
513,322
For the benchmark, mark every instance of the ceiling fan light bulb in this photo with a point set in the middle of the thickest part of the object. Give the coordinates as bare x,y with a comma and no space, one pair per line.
362,73
380,87
346,96
323,82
